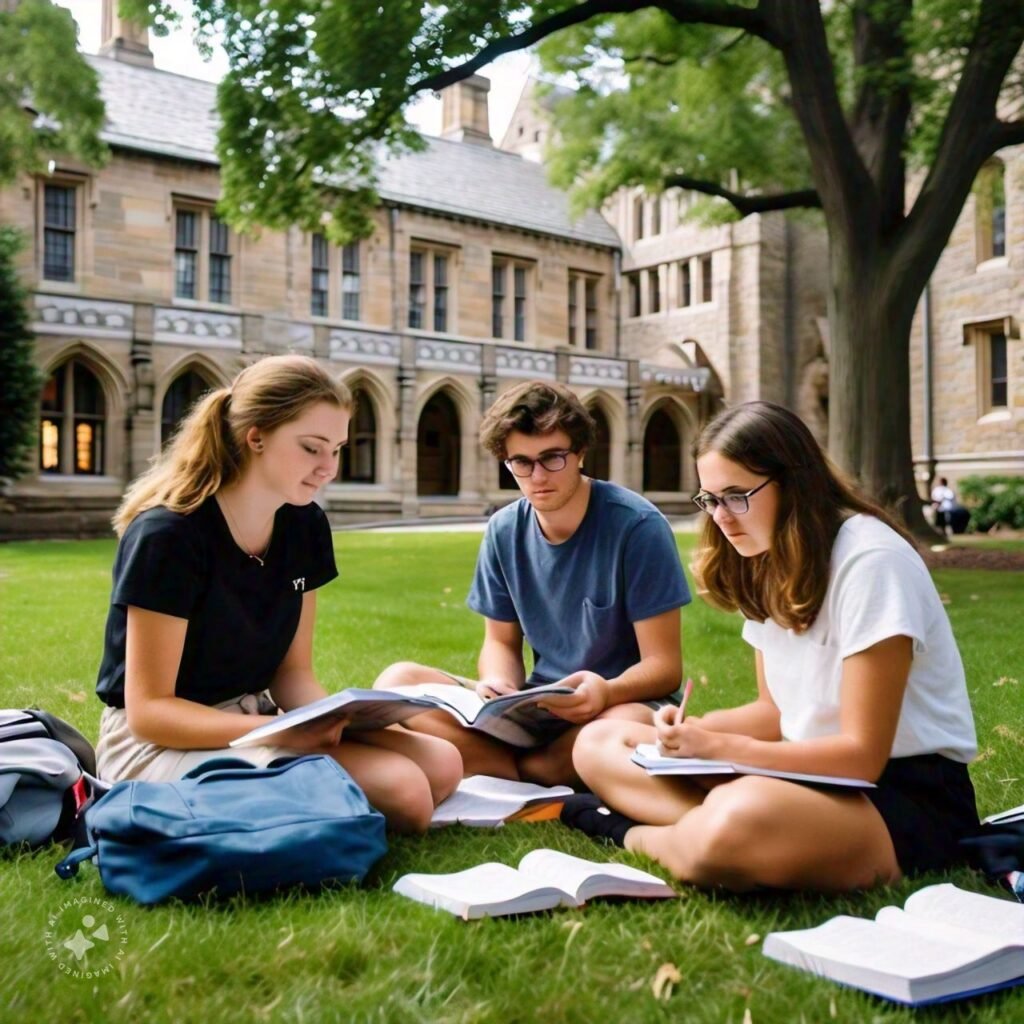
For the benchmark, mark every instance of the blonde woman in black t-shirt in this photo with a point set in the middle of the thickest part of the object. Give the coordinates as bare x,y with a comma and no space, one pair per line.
210,628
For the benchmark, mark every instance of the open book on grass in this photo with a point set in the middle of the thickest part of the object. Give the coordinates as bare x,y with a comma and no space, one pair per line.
1002,817
544,879
945,943
513,717
654,762
484,801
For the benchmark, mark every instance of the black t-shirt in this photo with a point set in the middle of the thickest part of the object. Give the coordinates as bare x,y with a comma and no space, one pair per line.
242,616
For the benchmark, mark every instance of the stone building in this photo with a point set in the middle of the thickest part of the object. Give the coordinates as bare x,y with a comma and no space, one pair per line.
967,364
474,278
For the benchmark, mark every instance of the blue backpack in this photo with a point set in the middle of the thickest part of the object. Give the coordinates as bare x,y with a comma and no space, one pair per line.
228,827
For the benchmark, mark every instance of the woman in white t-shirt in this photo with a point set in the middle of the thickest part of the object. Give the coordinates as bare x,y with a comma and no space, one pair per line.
858,675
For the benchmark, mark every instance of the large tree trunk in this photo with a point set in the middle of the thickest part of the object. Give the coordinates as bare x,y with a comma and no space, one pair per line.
869,383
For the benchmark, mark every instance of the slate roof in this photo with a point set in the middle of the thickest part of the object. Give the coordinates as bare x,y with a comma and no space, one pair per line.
158,112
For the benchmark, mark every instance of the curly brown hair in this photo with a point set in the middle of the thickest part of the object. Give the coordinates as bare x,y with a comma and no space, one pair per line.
536,407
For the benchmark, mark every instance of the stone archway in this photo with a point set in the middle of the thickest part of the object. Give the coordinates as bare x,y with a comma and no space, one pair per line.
438,444
599,457
663,453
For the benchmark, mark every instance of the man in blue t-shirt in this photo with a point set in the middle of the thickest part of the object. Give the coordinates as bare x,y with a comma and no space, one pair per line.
586,571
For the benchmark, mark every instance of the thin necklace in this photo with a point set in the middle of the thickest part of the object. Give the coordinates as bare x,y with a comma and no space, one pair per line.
238,533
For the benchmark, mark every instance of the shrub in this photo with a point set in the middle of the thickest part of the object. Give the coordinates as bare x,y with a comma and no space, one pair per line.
994,501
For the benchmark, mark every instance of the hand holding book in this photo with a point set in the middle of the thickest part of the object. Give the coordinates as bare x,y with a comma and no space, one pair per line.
589,698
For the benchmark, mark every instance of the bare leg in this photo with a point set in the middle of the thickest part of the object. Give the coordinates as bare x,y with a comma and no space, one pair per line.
481,755
757,831
602,758
393,784
439,761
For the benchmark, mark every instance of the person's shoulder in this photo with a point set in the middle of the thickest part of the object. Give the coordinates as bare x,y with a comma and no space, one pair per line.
309,515
161,521
509,518
862,535
627,504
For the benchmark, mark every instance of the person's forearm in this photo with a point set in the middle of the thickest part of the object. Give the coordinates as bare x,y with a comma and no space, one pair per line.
296,688
651,678
498,663
185,725
838,755
758,720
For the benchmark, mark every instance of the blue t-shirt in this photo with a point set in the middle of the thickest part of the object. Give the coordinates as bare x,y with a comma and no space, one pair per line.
577,601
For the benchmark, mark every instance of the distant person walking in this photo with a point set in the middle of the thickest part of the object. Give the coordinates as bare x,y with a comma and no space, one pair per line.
944,501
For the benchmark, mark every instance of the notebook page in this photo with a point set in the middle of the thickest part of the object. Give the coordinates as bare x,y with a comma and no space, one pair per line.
486,885
464,700
1000,920
981,944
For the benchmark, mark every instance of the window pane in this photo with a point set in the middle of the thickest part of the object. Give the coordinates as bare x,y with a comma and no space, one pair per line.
633,283
86,390
997,361
498,299
519,310
185,275
705,271
685,287
88,447
220,279
350,287
591,313
219,237
186,230
58,255
180,397
440,293
52,398
573,284
59,201
186,255
654,287
49,444
417,290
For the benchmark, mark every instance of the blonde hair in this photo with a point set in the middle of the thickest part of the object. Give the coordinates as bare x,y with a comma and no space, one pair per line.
788,582
209,450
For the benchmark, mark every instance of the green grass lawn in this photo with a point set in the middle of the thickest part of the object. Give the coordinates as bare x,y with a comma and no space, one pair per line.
366,954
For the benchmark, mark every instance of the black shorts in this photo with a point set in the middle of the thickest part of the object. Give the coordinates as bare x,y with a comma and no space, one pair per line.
927,804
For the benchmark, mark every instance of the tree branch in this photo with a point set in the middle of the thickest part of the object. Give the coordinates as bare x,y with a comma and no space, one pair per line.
710,12
651,58
806,198
1007,133
521,40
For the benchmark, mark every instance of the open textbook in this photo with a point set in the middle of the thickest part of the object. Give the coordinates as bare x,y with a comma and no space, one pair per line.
484,801
945,943
649,758
1002,817
513,717
544,879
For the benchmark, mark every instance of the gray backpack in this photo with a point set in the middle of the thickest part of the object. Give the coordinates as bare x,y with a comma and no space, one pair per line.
47,777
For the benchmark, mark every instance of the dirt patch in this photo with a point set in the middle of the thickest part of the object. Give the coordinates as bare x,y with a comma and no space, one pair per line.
963,556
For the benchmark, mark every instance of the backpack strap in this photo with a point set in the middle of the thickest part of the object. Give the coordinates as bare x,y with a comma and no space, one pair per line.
68,867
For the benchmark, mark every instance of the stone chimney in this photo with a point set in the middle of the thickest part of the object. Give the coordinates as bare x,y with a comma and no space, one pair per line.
464,111
124,40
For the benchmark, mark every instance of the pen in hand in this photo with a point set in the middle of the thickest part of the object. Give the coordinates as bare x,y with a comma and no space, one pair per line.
681,710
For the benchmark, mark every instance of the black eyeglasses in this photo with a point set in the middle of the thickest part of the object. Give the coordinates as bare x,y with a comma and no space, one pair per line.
734,504
550,462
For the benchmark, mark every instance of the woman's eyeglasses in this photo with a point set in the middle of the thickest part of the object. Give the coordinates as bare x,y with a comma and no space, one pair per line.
550,462
734,504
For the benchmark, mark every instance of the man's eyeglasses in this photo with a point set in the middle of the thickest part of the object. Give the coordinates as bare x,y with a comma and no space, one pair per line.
550,462
734,504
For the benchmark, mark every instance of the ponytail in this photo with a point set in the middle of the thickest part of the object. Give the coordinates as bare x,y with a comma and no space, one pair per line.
208,450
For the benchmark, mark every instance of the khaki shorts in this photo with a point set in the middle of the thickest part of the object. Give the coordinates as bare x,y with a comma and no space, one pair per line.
120,756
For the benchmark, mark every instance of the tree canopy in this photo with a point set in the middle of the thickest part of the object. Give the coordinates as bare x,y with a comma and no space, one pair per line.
49,94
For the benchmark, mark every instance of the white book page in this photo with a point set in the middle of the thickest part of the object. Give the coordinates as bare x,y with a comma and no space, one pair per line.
487,800
464,700
1013,814
486,886
585,878
999,920
979,943
863,945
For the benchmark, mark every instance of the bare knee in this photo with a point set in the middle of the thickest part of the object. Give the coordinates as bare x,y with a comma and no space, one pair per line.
401,673
443,768
547,767
405,799
717,843
601,746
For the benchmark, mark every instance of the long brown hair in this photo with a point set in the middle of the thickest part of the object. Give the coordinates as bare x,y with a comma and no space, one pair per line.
208,450
787,583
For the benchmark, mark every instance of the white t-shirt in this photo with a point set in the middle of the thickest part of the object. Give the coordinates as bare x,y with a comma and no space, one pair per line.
878,588
944,497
